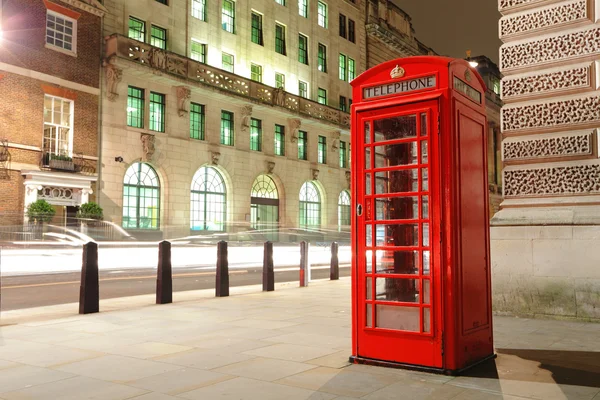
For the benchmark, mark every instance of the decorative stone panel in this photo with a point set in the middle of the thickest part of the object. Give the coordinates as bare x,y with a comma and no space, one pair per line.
553,17
564,146
558,48
555,114
554,181
511,5
551,83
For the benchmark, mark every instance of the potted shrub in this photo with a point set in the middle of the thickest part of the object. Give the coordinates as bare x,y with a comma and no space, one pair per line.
59,161
91,211
40,211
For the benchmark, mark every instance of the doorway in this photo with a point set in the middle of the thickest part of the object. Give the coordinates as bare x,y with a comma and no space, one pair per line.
264,208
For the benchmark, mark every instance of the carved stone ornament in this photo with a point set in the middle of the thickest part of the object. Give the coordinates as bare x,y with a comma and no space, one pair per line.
147,146
246,116
293,125
270,167
504,5
348,177
215,157
278,98
397,72
335,143
113,77
184,94
554,181
315,174
565,146
551,82
157,58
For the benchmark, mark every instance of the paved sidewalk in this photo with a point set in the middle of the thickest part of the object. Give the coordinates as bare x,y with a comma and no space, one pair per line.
289,344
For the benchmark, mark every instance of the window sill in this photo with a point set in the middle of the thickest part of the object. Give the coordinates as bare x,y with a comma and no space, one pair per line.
61,50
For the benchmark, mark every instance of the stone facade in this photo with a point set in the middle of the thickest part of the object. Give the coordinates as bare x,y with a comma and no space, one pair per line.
49,91
545,239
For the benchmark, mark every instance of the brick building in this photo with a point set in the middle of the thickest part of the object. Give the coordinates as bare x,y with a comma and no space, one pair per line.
50,54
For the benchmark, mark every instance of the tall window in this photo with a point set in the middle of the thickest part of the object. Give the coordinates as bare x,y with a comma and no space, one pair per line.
279,140
281,2
322,96
303,8
279,80
343,105
344,209
342,26
343,71
197,121
137,29
135,107
255,134
322,14
302,145
198,51
199,9
227,62
322,58
141,197
256,72
257,29
303,89
322,150
351,69
343,155
228,16
61,31
310,206
157,112
208,200
280,39
57,127
351,31
163,2
158,37
303,49
227,128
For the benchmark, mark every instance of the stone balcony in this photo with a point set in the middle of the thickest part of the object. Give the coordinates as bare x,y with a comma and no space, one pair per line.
182,67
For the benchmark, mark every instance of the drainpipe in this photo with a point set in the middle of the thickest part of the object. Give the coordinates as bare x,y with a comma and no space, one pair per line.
100,99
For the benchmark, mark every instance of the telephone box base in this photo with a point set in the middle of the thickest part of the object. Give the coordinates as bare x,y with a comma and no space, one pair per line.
421,368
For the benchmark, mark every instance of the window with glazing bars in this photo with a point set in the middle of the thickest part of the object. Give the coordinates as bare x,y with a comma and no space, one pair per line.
322,58
257,29
310,206
158,37
279,140
199,9
198,51
322,14
343,26
343,155
226,128
135,107
343,106
280,39
255,134
281,2
157,112
302,148
196,121
228,16
303,8
137,29
351,33
303,49
61,31
256,72
279,80
351,69
343,72
227,62
303,89
322,150
322,96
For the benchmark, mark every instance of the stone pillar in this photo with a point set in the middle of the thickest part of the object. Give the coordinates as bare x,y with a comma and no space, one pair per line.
546,238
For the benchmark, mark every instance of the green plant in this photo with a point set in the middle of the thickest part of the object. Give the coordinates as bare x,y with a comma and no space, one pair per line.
90,210
60,157
40,211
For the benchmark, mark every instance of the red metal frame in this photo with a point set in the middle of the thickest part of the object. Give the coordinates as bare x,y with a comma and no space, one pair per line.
455,119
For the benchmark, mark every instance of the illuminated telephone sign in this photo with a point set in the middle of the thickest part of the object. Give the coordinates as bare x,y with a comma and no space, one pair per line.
402,87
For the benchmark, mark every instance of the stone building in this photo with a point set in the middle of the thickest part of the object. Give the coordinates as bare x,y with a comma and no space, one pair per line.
545,239
50,86
220,114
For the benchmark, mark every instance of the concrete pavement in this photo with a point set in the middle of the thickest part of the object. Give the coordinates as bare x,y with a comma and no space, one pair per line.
289,344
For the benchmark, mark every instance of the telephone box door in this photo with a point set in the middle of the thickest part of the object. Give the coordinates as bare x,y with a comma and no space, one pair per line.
399,281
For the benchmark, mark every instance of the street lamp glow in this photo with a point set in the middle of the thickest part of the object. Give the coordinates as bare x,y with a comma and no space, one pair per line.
473,63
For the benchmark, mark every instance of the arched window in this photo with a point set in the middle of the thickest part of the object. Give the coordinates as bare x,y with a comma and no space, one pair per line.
310,206
208,200
264,207
141,197
264,187
344,209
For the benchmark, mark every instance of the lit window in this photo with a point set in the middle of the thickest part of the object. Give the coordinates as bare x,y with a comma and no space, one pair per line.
199,9
208,200
496,86
303,49
280,39
227,128
343,155
228,16
303,89
322,14
135,107
157,112
303,8
280,2
57,127
61,31
344,209
257,29
256,72
255,134
141,197
227,62
342,63
322,150
322,58
279,80
302,145
351,69
196,121
158,37
310,206
198,51
137,29
322,96
279,140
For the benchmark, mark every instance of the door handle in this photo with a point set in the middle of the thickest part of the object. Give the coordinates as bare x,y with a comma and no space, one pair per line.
359,209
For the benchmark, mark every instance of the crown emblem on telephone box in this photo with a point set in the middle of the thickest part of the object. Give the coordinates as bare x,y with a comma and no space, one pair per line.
397,72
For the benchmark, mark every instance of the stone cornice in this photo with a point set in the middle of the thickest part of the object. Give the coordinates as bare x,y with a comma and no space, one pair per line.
90,6
392,40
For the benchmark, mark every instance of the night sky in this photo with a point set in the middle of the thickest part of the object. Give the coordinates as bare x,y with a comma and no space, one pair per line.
451,27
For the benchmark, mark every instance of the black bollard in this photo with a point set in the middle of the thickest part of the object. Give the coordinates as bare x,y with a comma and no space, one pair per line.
268,277
164,276
89,291
222,283
303,264
334,269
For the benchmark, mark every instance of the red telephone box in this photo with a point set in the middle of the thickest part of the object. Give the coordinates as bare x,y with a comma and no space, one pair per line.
421,292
